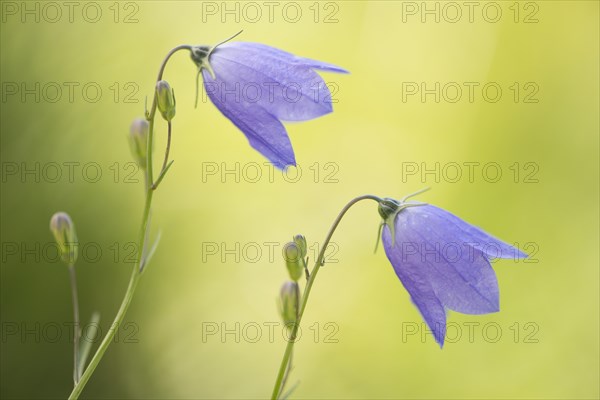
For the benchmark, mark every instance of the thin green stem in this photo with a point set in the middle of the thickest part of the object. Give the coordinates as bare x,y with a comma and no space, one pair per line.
136,272
166,160
162,175
76,329
153,112
165,167
133,281
313,275
288,369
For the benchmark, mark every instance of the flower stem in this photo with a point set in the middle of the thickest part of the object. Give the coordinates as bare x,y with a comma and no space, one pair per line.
136,272
133,281
165,167
76,331
166,160
313,275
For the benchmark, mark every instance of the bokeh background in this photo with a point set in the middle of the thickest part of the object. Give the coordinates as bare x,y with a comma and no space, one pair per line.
359,337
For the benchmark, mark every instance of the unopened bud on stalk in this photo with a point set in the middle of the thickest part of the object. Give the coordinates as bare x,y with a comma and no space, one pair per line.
289,297
165,97
138,140
63,229
301,243
293,260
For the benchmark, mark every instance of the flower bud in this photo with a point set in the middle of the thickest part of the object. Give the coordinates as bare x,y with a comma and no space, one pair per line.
63,229
289,297
301,243
138,140
293,260
165,97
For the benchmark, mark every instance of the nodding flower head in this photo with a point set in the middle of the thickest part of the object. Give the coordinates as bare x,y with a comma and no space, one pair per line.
257,87
442,261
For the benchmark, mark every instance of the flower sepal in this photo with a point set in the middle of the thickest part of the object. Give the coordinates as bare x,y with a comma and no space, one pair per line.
388,209
200,57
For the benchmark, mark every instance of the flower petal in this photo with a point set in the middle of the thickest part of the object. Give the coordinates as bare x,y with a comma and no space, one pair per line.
417,283
285,56
263,130
461,231
288,90
461,276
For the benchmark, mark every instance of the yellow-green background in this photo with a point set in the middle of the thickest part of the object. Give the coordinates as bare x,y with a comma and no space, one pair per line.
370,134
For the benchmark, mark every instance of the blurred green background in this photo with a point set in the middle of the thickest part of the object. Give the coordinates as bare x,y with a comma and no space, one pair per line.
543,344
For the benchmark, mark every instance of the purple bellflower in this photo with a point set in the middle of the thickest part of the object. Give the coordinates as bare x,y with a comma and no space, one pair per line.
442,261
257,87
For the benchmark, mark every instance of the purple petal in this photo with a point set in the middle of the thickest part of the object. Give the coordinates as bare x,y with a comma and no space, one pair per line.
285,56
461,276
269,78
263,130
464,232
417,283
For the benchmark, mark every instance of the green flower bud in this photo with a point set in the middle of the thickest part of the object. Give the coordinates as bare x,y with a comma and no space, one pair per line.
138,140
63,229
289,302
165,97
301,243
293,260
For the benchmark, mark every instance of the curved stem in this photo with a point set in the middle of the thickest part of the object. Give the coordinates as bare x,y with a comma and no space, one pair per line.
288,350
153,112
174,50
76,331
135,273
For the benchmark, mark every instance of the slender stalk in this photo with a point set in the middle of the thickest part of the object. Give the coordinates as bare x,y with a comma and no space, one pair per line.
76,331
153,110
135,273
133,281
288,369
164,166
313,275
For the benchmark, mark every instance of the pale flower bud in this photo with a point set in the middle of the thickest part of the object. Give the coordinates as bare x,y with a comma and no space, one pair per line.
63,229
165,97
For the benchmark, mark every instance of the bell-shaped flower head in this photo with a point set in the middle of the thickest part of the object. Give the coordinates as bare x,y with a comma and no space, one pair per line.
442,261
258,86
